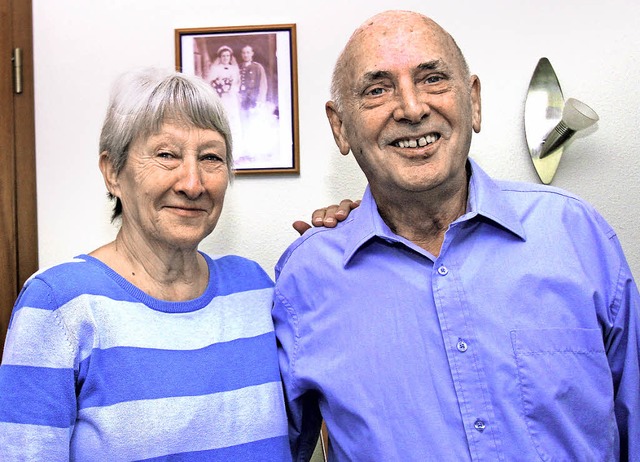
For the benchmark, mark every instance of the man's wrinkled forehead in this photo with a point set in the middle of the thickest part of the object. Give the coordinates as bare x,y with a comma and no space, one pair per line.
379,44
393,23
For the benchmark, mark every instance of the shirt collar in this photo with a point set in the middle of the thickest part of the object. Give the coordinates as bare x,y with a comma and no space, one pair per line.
486,199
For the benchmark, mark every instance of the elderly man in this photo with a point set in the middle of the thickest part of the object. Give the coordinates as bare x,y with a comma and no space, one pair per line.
451,316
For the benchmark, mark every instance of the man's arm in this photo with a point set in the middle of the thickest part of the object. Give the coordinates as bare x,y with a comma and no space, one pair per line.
262,86
623,353
303,411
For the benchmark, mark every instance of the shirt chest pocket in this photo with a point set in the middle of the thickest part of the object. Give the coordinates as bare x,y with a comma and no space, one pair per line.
566,393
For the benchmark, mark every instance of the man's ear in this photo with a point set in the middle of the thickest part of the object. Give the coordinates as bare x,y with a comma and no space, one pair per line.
476,104
337,127
109,173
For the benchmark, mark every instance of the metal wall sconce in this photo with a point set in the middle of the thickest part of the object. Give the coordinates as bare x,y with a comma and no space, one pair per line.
549,121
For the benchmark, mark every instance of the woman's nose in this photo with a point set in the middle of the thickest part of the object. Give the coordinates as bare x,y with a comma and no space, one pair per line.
190,181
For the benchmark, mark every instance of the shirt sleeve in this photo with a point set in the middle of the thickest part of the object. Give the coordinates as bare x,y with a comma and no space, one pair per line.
303,411
37,380
623,347
262,95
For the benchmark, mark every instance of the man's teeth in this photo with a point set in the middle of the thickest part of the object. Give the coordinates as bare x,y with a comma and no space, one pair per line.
423,141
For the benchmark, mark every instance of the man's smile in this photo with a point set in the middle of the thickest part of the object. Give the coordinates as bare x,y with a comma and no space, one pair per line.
415,142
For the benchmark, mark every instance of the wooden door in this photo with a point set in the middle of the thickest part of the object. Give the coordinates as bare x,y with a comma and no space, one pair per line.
18,225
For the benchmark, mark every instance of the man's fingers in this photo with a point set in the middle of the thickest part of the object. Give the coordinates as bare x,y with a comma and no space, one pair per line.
301,226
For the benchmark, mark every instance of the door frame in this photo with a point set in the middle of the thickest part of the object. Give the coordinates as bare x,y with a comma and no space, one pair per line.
18,205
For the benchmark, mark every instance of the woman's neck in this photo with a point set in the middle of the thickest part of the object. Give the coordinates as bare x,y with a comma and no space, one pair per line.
161,271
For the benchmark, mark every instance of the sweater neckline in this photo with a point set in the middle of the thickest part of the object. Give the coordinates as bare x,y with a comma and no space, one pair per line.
157,304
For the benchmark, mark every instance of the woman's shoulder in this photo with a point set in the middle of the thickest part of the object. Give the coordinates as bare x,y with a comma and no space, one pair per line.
67,280
232,262
76,267
239,271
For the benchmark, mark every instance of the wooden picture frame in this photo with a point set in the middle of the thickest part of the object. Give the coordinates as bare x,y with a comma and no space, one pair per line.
254,70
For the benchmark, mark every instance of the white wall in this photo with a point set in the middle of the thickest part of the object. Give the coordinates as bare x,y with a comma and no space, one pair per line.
80,46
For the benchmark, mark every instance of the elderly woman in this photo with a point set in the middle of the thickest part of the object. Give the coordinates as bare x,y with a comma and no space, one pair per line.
147,348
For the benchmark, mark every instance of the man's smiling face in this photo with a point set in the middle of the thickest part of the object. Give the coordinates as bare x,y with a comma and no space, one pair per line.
409,105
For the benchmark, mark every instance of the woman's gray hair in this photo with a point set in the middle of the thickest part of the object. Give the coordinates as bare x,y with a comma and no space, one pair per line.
142,100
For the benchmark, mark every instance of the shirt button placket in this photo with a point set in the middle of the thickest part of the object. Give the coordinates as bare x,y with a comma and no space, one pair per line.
468,381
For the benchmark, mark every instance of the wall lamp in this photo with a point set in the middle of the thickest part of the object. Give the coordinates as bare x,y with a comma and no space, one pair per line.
549,121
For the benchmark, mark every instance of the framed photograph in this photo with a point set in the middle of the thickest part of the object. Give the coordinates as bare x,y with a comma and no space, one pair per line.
254,70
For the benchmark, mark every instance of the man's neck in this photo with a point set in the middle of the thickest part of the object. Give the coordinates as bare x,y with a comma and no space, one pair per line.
423,218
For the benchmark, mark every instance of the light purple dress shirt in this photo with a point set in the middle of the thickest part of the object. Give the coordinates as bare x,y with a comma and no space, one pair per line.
519,342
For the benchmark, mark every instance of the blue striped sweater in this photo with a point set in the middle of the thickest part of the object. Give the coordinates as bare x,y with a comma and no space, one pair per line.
95,369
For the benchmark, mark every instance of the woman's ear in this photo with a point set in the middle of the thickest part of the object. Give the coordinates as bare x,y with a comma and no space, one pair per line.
109,173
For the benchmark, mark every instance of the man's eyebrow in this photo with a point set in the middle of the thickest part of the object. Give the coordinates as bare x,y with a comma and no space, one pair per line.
375,75
380,74
430,65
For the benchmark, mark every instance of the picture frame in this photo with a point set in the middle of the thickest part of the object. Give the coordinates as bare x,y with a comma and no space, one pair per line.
254,70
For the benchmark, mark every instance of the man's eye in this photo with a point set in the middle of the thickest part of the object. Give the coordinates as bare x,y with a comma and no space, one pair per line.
433,79
377,91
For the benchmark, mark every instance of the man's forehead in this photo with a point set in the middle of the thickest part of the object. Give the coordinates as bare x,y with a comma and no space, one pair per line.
386,26
382,47
400,59
422,41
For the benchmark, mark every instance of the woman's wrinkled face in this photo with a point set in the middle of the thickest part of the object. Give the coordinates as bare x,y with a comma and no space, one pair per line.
172,186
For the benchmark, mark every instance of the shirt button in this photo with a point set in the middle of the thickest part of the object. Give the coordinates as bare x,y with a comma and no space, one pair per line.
443,271
479,425
462,346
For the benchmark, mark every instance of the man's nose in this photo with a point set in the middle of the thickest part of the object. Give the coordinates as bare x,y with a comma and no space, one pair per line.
412,105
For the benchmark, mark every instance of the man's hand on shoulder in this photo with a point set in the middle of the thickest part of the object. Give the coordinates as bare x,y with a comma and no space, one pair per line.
327,216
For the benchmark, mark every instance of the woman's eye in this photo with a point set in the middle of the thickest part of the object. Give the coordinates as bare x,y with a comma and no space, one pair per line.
165,155
212,158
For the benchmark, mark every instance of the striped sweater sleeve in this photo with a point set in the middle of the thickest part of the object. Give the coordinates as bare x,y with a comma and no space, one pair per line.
37,380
